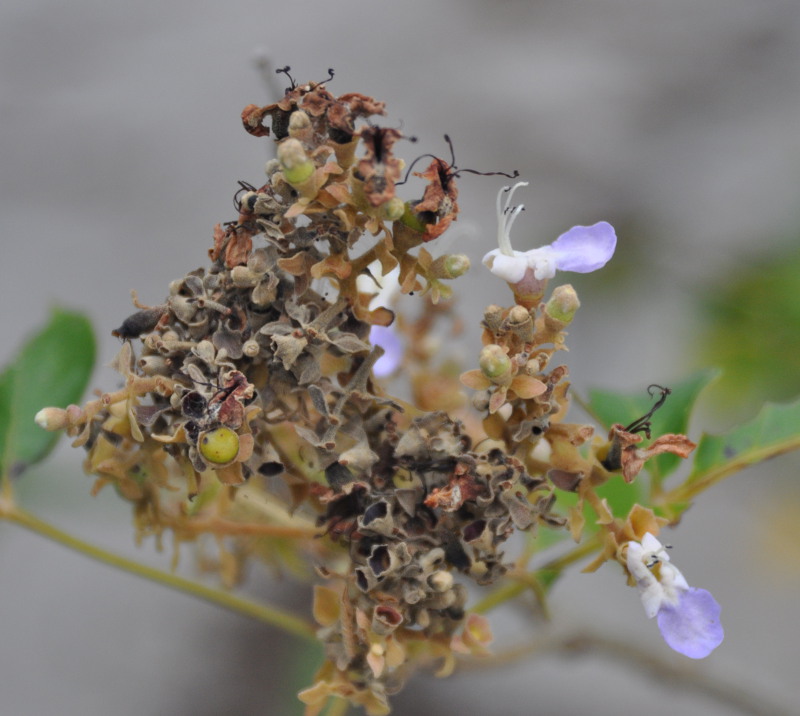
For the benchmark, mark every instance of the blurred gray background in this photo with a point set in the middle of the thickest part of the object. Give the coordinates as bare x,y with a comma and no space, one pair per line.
121,145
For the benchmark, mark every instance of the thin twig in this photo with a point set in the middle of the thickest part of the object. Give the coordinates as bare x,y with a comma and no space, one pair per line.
269,615
661,669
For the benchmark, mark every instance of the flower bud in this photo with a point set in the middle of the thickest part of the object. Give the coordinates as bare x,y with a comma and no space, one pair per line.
51,418
520,323
440,581
296,165
493,318
299,125
563,304
450,266
480,401
494,363
393,209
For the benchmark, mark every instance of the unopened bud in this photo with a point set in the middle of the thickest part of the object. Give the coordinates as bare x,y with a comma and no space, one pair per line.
51,418
296,165
393,209
450,266
518,315
299,125
493,318
440,581
494,362
563,304
520,322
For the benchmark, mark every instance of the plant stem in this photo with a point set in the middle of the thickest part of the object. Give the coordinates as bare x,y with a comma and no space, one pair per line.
269,615
664,670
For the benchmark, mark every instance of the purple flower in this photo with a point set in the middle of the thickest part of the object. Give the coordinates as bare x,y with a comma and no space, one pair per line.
692,626
387,338
688,618
582,249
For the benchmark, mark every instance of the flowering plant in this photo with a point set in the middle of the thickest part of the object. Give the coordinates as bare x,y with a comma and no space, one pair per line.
255,409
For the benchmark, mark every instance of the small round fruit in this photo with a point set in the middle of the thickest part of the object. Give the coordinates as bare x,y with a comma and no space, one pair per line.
219,446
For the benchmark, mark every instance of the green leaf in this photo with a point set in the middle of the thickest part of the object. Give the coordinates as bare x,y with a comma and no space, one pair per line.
743,312
774,431
673,416
621,496
52,369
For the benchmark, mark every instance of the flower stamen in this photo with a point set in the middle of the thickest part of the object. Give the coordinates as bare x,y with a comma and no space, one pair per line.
505,217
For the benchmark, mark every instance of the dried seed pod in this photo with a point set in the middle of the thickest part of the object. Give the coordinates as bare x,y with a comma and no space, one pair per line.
153,365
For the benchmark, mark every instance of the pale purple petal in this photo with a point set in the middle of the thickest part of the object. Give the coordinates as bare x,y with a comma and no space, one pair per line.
388,339
585,248
691,627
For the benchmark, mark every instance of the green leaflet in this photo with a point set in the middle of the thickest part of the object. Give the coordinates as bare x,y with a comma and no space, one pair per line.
673,417
620,496
52,369
774,431
747,314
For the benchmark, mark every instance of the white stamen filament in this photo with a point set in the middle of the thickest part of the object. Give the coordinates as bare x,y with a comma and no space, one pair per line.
505,218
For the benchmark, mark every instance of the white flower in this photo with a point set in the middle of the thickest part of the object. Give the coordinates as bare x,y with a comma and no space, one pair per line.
582,249
654,593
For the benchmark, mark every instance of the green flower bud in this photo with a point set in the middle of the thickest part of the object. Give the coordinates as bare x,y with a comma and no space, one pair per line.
296,165
450,266
494,362
563,304
393,209
457,265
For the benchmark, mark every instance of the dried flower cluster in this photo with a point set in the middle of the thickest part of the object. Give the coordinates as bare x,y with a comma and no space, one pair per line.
252,409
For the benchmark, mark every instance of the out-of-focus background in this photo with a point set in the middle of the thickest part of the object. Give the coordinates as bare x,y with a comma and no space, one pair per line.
675,120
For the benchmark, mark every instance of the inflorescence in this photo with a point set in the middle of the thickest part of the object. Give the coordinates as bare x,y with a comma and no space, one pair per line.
252,400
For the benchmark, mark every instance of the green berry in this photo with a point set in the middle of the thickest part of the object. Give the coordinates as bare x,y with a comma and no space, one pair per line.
219,446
